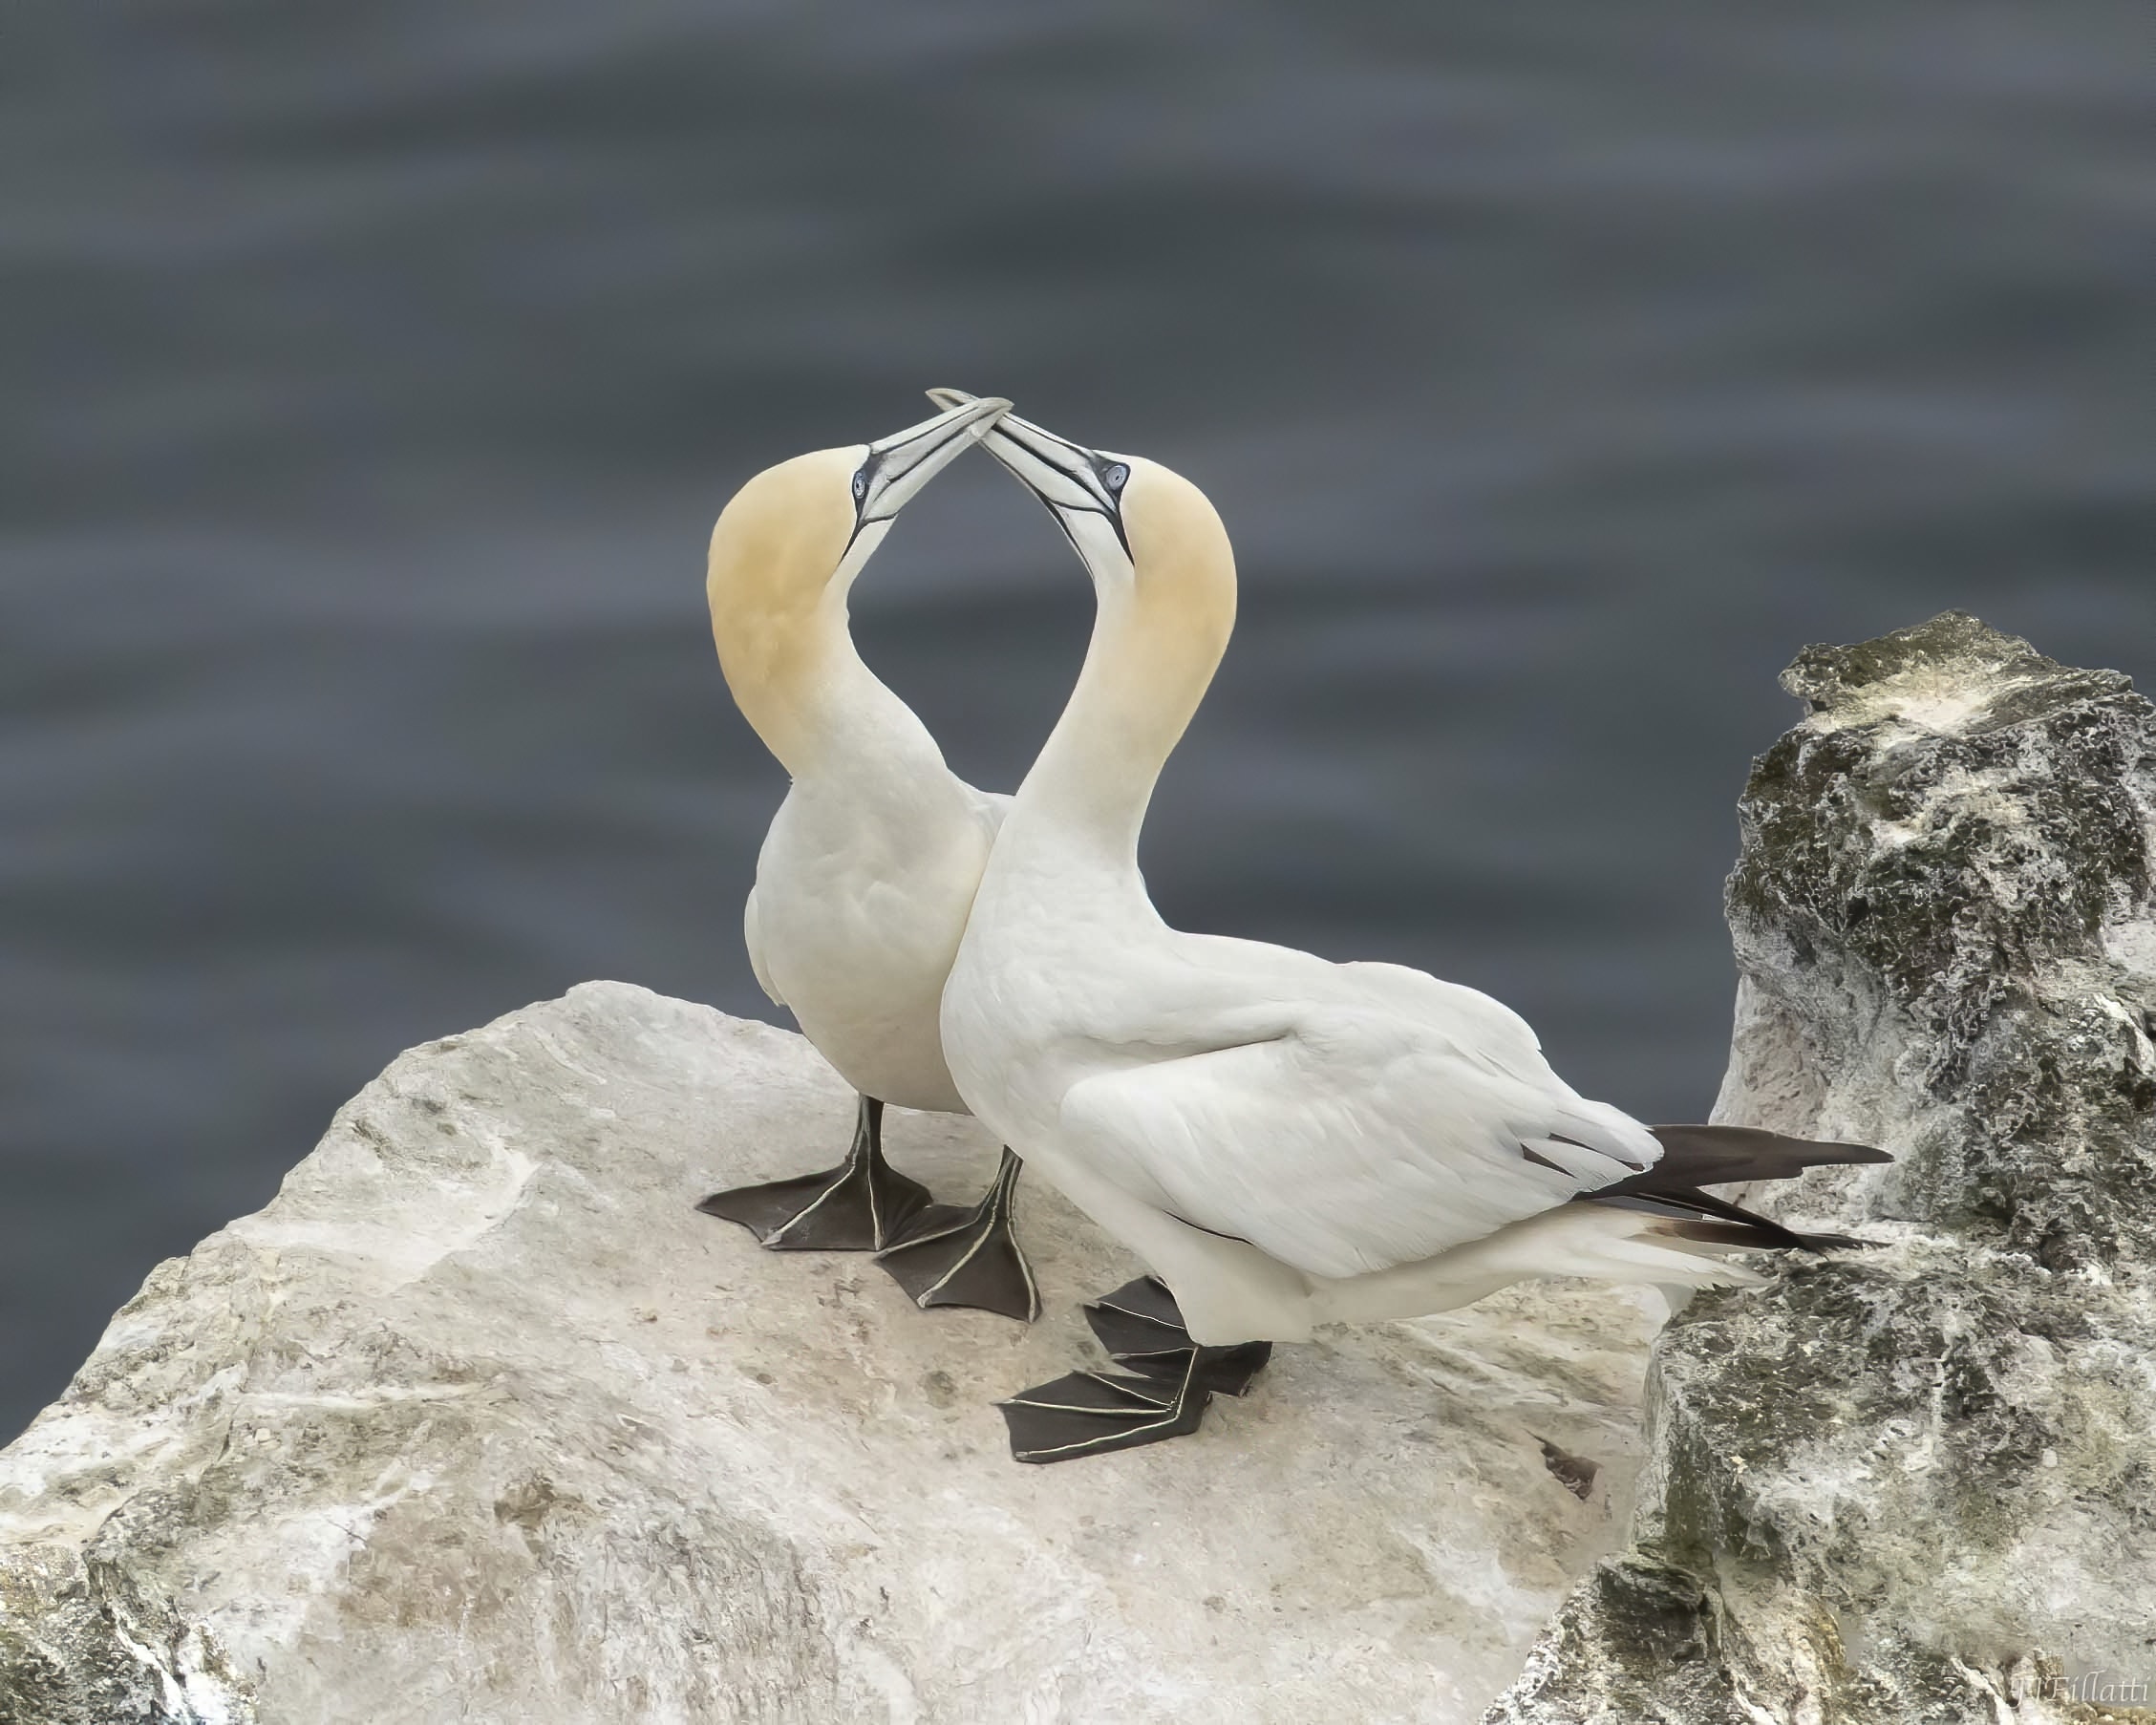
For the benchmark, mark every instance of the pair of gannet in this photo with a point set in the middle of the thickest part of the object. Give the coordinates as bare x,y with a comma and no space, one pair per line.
1284,1142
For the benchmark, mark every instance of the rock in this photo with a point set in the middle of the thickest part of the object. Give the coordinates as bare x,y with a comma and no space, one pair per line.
479,1422
1919,1484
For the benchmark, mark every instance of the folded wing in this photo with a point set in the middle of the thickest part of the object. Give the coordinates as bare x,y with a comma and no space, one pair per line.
1355,1137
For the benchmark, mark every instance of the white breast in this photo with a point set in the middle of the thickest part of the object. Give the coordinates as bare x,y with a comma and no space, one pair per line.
858,913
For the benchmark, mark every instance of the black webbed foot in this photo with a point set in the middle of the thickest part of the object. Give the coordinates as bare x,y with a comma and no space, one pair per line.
954,1256
1092,1413
861,1205
1087,1414
1140,1326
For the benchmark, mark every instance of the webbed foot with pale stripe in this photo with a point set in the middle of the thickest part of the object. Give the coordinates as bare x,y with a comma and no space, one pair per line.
1172,1379
861,1205
954,1256
1140,1328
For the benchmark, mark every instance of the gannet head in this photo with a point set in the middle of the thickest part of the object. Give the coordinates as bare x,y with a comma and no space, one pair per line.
1142,529
799,527
796,535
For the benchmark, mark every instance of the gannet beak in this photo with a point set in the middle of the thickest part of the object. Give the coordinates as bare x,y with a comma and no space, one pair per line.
1082,488
898,466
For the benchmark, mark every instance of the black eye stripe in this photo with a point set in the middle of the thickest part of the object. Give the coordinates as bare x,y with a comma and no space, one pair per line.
1113,517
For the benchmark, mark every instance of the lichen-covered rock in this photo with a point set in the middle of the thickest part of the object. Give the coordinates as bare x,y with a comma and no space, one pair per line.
479,1422
1918,1482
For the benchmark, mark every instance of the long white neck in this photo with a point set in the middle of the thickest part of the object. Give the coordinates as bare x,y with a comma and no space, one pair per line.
830,720
1158,637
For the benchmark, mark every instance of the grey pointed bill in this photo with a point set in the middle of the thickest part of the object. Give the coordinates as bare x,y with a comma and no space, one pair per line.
1082,488
896,468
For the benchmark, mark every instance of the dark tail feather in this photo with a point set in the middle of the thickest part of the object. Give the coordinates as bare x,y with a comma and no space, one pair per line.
1699,1215
1698,1155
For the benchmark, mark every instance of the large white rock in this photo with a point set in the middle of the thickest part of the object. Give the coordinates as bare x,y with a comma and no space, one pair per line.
479,1422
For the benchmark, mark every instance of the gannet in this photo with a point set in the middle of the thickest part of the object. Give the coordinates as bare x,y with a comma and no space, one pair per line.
863,880
1282,1140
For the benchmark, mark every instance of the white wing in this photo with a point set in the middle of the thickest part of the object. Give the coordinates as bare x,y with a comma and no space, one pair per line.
753,937
1358,1135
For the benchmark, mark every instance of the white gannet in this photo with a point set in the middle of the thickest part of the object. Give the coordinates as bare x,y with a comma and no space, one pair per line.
864,879
1284,1142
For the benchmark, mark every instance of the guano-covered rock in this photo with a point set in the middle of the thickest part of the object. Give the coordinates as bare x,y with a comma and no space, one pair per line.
1919,1484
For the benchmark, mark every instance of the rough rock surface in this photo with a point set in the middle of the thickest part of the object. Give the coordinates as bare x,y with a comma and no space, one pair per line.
478,1421
1919,1484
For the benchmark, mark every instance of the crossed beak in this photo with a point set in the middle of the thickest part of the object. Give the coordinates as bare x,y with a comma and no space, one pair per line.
1082,488
897,467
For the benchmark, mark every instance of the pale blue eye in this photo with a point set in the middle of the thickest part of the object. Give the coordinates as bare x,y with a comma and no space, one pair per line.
860,484
1115,476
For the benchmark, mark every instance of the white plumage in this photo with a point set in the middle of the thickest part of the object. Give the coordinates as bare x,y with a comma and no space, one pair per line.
868,870
1282,1140
862,891
870,867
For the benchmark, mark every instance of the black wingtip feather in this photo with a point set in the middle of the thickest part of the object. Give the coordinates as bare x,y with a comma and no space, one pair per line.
1712,1155
1694,1156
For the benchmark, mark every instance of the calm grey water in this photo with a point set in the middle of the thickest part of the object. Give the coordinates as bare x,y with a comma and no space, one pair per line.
376,370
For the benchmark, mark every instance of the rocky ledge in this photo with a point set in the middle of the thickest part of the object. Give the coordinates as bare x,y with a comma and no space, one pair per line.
1919,1484
478,1421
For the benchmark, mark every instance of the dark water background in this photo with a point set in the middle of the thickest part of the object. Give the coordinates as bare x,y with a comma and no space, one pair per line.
376,371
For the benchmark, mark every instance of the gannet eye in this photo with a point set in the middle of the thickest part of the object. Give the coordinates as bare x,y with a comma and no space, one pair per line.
860,483
1113,476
